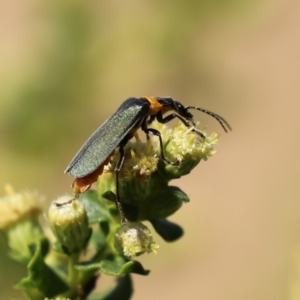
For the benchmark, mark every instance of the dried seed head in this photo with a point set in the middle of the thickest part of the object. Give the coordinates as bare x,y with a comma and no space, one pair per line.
134,238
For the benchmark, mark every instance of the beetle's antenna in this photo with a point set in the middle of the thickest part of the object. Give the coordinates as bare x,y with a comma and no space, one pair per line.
221,120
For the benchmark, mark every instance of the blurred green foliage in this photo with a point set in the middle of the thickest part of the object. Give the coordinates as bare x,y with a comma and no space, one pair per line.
50,102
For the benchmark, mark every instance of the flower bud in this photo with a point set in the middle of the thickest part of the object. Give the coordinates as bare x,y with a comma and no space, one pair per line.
69,223
17,207
134,238
19,214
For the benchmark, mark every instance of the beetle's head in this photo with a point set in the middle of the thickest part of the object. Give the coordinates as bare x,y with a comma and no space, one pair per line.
182,111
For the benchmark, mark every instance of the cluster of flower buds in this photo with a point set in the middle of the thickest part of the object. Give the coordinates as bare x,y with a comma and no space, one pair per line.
145,194
144,178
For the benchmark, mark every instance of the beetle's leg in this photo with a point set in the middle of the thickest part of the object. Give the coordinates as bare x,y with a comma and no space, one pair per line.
197,130
158,134
76,196
162,152
151,119
117,171
149,144
172,116
67,202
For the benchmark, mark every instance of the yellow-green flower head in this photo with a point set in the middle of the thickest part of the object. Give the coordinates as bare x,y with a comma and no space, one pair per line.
152,198
17,207
69,223
134,238
181,141
186,145
140,161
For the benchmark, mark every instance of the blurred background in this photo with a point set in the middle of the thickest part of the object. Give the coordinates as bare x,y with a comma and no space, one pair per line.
67,65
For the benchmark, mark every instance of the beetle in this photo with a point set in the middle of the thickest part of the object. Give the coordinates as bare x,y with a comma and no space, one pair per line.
117,130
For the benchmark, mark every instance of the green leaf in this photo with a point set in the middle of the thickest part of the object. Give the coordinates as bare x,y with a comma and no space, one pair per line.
117,265
87,266
175,191
122,290
162,203
98,238
169,231
96,210
109,195
56,246
114,265
105,228
134,266
90,285
131,212
20,236
41,276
